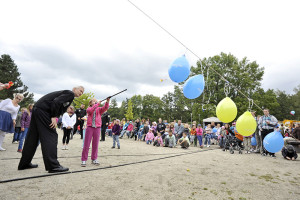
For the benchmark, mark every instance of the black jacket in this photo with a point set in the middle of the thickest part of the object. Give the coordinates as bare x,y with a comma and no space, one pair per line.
80,113
105,119
285,153
55,103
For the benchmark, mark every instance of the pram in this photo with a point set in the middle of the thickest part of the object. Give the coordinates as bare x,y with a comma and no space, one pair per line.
232,143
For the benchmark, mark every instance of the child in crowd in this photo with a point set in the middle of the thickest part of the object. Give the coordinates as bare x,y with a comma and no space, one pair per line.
289,153
207,135
170,140
154,126
108,130
184,142
186,129
199,133
158,140
129,129
193,138
124,128
115,134
221,137
140,132
149,136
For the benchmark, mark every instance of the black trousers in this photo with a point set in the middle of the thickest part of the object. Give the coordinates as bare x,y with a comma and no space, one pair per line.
264,133
80,123
103,129
39,130
66,137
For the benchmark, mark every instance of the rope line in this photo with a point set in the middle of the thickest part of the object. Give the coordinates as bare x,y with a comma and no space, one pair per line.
230,84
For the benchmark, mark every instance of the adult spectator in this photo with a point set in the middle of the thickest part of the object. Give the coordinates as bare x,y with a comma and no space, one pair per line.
266,125
161,127
8,114
80,113
105,120
179,128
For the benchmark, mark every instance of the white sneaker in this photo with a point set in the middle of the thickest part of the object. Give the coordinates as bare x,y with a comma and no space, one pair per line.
63,147
2,149
95,162
83,163
208,145
66,147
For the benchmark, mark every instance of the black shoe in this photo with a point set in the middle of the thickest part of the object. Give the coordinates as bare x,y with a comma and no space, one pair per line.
118,147
112,147
273,156
29,166
59,169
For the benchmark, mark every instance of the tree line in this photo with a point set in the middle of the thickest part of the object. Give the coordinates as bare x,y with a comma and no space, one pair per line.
246,76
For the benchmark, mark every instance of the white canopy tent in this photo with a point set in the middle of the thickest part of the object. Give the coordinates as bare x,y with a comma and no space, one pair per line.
211,119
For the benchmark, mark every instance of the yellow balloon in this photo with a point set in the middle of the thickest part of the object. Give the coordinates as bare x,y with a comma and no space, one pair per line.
246,124
226,110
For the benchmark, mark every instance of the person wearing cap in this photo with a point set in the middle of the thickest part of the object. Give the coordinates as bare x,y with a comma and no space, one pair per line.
289,153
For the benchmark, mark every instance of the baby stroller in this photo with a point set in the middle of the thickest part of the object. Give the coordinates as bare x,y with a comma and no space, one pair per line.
232,143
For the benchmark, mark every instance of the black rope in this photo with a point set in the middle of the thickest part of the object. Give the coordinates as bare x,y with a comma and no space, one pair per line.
101,168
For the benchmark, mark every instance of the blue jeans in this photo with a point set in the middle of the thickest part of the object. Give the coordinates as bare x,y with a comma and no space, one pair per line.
140,135
199,137
207,139
148,141
17,134
22,138
109,131
122,133
116,139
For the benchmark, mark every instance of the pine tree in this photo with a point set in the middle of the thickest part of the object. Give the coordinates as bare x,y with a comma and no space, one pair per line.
10,72
129,113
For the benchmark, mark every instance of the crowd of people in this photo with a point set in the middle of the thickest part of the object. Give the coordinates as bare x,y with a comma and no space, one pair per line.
36,124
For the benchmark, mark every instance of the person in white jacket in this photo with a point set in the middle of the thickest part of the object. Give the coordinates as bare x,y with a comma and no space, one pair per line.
68,121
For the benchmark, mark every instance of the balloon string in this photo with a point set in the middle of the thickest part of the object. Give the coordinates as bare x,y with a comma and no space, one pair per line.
231,85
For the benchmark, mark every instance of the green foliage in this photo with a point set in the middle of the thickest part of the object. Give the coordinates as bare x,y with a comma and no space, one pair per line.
129,112
10,72
114,110
83,99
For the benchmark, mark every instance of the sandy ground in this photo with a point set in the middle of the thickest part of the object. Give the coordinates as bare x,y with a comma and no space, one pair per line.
152,173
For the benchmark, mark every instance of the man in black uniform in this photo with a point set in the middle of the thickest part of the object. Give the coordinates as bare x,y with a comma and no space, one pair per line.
105,120
80,113
43,128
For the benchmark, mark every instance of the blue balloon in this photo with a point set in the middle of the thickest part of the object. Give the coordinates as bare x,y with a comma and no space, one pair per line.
194,87
273,142
253,141
215,130
179,71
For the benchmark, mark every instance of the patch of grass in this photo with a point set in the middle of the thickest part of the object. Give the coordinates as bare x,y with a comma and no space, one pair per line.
231,198
245,191
293,182
205,189
287,174
267,177
251,174
193,193
229,192
189,183
277,172
214,192
242,198
274,181
224,183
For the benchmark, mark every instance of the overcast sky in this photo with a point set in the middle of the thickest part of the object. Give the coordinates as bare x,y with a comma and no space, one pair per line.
108,46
